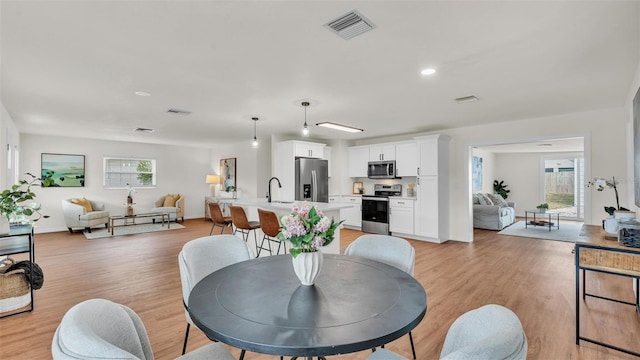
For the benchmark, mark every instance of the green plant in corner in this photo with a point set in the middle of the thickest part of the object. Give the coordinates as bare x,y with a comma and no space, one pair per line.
501,188
12,201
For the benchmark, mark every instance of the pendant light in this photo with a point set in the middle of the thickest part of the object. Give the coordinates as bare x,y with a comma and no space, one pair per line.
254,143
305,128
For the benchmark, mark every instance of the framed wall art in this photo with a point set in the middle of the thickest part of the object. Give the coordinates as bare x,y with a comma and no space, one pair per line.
228,175
64,170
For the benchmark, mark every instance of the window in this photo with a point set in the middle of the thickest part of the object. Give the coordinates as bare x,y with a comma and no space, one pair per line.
138,173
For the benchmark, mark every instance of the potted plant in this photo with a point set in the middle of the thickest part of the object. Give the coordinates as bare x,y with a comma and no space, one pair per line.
12,202
543,207
307,229
610,224
501,188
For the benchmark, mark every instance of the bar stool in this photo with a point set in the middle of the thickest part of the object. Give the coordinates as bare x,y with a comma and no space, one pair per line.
239,219
270,228
217,217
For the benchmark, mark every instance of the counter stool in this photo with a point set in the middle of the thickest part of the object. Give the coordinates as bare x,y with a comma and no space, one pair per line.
270,226
239,219
217,217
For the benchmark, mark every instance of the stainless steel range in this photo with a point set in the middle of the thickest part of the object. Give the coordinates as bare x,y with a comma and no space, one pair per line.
375,208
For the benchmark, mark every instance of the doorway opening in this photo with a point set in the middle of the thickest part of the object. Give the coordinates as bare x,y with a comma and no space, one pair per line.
563,181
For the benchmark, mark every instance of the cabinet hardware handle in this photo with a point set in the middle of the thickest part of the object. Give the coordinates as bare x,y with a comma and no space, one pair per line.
418,170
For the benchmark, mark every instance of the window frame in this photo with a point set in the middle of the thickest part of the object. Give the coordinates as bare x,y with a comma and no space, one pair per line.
122,184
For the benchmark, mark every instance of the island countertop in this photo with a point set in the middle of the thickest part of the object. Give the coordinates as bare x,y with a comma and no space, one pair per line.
280,206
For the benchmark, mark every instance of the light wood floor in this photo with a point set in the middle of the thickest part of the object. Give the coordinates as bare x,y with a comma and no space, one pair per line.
534,278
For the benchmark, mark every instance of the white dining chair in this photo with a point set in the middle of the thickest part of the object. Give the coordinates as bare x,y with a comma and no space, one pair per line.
201,257
390,250
491,332
102,329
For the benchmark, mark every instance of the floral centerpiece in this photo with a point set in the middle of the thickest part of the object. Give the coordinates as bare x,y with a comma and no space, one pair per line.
307,229
602,183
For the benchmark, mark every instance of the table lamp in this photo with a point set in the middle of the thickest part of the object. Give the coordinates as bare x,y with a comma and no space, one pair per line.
212,180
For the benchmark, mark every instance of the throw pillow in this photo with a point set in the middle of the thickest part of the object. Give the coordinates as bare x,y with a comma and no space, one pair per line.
170,200
498,200
475,199
83,202
487,199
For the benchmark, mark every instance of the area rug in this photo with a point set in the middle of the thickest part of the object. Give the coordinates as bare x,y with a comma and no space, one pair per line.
569,231
129,230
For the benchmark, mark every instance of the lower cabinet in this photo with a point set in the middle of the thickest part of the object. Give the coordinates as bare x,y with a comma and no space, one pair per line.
352,216
401,216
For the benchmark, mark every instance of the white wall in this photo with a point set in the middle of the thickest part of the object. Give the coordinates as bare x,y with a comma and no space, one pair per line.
179,170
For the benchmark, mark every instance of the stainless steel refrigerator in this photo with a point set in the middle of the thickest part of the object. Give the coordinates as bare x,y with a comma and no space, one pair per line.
312,180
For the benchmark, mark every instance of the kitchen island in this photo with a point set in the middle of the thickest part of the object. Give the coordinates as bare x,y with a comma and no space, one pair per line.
332,210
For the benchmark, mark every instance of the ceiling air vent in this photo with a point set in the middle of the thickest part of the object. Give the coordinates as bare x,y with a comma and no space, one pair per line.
465,99
144,130
350,25
179,112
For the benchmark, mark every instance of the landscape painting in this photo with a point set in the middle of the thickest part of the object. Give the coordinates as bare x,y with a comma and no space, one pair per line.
64,170
476,169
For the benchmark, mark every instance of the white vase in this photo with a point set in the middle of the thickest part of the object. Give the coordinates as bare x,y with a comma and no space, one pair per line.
611,225
307,266
4,225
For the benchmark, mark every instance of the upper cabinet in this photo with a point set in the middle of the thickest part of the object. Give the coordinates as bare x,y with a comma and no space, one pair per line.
407,159
429,153
382,152
307,149
358,161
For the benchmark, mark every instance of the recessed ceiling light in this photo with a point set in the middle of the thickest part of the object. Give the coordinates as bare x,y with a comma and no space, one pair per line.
429,71
142,93
346,128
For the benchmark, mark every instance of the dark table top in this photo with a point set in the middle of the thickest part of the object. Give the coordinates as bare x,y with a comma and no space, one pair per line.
259,305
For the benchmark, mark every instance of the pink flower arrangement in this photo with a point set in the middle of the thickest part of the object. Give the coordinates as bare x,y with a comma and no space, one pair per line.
307,229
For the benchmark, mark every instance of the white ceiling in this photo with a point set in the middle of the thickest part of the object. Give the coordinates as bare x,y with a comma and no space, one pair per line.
71,67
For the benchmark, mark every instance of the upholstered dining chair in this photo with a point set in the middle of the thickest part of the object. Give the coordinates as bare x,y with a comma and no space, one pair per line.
102,329
390,250
270,226
201,257
490,332
218,218
244,226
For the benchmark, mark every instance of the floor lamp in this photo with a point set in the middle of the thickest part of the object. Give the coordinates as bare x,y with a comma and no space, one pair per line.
213,180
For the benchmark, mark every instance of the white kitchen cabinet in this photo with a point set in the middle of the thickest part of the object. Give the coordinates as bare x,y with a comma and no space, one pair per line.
352,216
401,216
358,161
407,159
327,156
432,187
381,152
286,153
308,149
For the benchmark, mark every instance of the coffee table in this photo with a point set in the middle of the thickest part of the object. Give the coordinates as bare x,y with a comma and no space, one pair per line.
131,219
542,219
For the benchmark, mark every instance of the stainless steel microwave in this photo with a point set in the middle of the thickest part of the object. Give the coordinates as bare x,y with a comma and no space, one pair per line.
382,169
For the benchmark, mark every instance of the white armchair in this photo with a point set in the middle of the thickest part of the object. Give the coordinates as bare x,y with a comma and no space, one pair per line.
77,216
175,210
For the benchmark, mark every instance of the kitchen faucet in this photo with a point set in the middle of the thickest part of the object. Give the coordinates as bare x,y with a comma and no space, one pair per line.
269,192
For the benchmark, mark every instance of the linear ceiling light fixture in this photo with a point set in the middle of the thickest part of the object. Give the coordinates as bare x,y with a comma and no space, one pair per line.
254,143
335,126
305,127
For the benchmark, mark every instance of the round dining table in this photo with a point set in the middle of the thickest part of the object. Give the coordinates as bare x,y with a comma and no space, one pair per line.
355,304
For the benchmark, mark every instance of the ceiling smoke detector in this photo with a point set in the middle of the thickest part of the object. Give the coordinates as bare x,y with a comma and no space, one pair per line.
350,25
466,99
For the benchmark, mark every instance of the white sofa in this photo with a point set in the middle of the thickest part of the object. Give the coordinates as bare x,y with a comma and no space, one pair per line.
490,216
76,216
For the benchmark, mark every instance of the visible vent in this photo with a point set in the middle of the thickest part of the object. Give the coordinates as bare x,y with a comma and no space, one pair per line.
179,112
466,99
144,130
350,25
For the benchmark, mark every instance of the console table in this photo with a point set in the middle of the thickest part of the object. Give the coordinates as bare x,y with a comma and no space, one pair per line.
595,253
